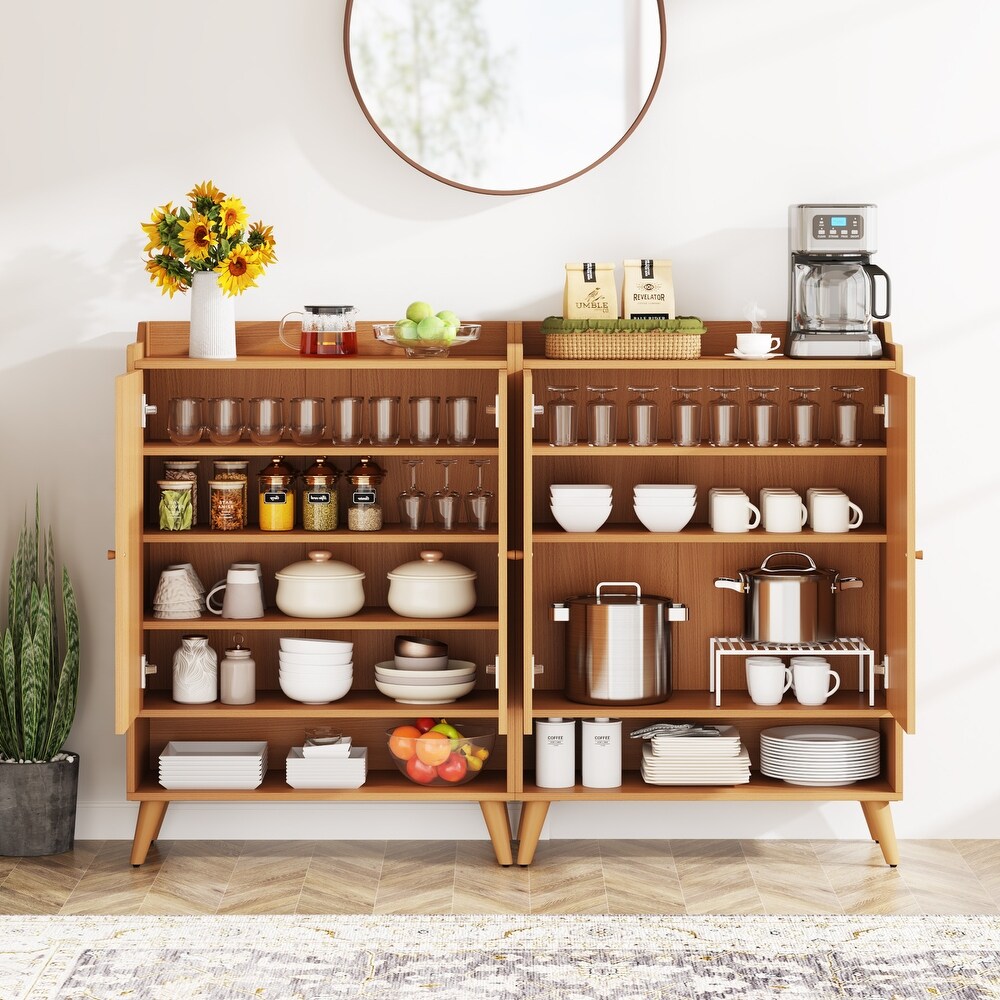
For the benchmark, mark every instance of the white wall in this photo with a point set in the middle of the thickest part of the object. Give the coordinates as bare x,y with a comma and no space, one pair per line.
112,108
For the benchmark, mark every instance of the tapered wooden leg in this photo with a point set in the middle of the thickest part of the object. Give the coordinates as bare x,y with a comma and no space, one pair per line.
529,829
879,819
498,824
159,824
148,822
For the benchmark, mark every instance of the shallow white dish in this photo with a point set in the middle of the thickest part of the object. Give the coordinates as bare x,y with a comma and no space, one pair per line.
455,670
817,735
215,750
753,357
293,644
411,694
227,783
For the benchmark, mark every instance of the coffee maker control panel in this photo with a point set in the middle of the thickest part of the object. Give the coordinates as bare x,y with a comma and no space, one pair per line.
838,227
833,229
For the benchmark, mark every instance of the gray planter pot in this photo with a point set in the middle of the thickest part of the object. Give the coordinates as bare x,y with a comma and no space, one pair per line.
38,807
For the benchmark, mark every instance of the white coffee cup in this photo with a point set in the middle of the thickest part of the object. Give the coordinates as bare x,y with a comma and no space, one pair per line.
812,682
782,512
756,345
732,513
834,513
243,597
767,679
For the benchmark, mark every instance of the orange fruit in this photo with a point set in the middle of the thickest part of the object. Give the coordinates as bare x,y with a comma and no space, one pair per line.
433,748
402,743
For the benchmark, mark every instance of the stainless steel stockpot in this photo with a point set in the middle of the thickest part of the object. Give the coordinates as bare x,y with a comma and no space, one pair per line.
618,646
789,604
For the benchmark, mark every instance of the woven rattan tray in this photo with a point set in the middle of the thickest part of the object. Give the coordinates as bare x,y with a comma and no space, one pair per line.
631,340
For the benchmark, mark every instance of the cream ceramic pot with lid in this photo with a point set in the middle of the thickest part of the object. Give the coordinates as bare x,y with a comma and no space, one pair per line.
432,587
320,587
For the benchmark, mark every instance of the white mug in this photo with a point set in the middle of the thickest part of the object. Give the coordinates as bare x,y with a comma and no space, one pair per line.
243,597
812,682
756,345
767,679
732,513
783,512
832,513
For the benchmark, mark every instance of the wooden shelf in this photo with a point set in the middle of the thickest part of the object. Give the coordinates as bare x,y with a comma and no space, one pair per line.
713,362
344,365
633,788
370,619
254,536
481,704
618,534
700,705
869,449
242,449
381,785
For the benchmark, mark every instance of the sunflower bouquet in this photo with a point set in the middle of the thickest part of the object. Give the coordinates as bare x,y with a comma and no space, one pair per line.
212,235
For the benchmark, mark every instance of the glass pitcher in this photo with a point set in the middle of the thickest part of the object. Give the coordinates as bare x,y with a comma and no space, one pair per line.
326,331
837,297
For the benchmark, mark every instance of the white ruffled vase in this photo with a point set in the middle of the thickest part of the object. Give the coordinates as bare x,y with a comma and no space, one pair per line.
213,318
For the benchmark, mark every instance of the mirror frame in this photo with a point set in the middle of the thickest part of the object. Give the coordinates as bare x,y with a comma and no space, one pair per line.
503,191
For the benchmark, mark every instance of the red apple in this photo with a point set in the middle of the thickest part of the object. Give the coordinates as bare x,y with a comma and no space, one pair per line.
454,768
425,725
420,772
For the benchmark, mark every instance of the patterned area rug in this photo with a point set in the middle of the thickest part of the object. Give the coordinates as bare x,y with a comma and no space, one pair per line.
499,958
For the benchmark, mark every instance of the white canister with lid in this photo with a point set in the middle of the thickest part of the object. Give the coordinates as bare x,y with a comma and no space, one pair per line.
555,753
238,676
601,756
432,587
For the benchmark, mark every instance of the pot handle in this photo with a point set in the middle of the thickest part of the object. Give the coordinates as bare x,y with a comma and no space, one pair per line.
620,583
727,583
850,583
802,555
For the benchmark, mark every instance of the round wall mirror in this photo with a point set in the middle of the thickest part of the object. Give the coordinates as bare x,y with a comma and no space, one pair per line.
504,98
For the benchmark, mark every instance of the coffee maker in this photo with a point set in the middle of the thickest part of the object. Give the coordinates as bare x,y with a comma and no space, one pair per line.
832,297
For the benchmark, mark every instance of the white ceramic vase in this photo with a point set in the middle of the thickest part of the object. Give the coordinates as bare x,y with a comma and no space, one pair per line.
196,671
213,319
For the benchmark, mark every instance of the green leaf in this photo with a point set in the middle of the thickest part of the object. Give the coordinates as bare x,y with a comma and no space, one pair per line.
69,675
10,731
43,671
29,697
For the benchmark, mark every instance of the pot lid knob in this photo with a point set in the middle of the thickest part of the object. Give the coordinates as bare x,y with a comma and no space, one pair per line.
320,555
431,555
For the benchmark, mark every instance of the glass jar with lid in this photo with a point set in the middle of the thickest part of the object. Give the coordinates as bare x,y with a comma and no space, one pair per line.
234,471
225,505
238,676
319,498
276,496
176,509
185,469
364,513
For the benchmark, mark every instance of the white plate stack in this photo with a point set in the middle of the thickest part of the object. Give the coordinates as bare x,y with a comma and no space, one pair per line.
347,768
696,760
580,507
664,507
454,680
820,755
213,764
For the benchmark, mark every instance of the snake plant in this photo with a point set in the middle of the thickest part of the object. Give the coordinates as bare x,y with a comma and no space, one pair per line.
38,683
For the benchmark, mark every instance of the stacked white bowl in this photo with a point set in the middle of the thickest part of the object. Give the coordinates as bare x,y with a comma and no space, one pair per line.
664,507
315,671
580,507
430,685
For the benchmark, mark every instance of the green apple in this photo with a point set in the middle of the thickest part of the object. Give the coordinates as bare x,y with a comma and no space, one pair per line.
449,333
406,329
430,328
416,311
447,316
445,727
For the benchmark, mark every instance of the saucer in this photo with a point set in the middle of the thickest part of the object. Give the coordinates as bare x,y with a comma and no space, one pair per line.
753,357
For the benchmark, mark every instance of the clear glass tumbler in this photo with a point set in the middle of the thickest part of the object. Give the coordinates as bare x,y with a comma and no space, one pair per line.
346,419
762,416
602,418
461,413
642,417
186,419
383,421
685,414
308,420
804,423
225,420
424,420
267,421
561,416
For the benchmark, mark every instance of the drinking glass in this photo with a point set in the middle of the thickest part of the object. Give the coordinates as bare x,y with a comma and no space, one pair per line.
383,422
185,419
763,418
412,502
446,503
723,418
308,422
642,417
561,413
847,417
225,420
602,418
346,418
424,420
461,412
267,422
804,418
685,416
479,503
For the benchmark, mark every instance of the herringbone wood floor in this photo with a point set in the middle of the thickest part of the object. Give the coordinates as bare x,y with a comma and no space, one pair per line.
568,876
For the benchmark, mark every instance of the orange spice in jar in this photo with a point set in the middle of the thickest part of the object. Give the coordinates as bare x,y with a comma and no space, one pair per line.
234,471
276,497
226,510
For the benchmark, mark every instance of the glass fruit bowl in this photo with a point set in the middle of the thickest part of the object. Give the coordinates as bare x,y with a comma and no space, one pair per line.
421,347
436,759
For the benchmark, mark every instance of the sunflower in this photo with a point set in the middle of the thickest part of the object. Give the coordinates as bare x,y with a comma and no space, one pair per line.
206,189
197,237
234,216
160,274
152,228
239,270
261,239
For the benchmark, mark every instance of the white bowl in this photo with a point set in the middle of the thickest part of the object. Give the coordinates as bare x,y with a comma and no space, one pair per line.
580,520
341,670
316,659
293,644
665,488
419,662
602,488
457,670
413,694
562,502
658,520
667,508
314,692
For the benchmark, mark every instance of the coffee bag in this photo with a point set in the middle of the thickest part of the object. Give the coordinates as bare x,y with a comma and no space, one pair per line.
591,292
648,290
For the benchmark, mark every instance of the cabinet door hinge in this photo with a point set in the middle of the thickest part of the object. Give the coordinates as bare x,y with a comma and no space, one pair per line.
494,668
145,669
145,410
536,409
883,410
882,670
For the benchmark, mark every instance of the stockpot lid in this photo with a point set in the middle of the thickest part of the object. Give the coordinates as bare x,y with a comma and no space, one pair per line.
431,566
319,566
808,572
618,597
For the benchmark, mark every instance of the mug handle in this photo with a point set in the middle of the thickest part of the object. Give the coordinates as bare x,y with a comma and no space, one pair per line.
804,514
775,344
208,597
754,520
788,679
852,524
836,683
281,330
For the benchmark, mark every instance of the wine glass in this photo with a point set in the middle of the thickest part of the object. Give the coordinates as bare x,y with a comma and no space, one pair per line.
847,417
642,417
723,418
412,502
602,414
763,417
446,503
805,418
479,502
562,416
686,417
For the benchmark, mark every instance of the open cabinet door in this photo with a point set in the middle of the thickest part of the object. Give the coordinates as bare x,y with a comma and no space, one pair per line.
128,548
528,423
900,554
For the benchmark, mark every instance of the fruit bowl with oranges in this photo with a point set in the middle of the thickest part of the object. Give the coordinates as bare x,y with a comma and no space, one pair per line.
423,333
433,752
